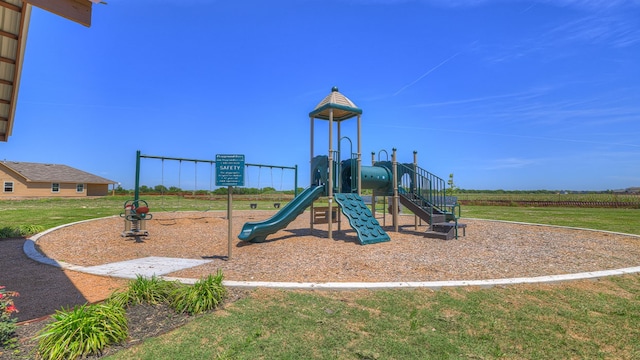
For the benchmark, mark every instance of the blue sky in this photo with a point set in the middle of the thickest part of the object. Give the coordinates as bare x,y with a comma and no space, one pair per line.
508,95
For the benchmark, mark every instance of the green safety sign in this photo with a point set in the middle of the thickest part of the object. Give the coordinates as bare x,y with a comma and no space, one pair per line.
229,170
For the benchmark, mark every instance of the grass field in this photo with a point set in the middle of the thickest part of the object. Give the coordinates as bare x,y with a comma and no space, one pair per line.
586,197
577,320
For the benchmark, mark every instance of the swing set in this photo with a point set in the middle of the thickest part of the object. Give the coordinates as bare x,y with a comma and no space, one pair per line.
136,211
178,191
259,186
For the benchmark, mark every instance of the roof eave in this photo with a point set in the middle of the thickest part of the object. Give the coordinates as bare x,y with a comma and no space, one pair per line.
22,44
15,171
319,113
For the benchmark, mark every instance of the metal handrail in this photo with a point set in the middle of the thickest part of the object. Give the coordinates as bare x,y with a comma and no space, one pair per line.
425,185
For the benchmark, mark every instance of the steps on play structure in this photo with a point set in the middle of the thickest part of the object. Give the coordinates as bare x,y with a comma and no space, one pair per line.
361,220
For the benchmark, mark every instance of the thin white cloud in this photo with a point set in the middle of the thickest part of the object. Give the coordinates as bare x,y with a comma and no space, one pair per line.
511,163
507,135
520,95
528,8
426,73
614,30
593,5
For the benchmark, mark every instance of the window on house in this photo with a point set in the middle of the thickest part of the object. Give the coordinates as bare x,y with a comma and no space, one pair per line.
8,186
79,188
55,187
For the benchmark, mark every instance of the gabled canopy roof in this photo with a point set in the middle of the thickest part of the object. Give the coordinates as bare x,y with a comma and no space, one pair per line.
37,172
343,108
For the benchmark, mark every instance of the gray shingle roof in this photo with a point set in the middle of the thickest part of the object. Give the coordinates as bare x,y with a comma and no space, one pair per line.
36,172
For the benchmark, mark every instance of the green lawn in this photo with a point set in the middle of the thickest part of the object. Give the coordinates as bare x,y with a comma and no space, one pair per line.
585,320
57,211
577,320
619,220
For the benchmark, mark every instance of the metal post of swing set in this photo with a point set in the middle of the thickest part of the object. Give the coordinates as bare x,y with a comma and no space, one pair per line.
136,191
229,221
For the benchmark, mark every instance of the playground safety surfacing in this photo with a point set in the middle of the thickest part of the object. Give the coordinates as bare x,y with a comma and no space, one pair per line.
190,245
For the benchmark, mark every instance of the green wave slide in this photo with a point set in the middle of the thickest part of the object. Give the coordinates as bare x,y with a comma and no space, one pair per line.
258,231
361,219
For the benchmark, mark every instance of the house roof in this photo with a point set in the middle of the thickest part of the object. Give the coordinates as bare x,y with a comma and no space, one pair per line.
36,172
14,25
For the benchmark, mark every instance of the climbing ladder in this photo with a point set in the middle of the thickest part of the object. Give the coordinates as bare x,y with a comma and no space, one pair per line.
360,218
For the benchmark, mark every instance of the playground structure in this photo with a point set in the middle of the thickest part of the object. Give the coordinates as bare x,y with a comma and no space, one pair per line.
343,180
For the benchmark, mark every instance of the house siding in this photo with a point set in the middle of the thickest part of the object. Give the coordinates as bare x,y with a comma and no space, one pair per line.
20,189
19,185
96,189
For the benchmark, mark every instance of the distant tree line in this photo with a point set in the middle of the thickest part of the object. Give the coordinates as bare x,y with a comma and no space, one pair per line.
174,190
500,191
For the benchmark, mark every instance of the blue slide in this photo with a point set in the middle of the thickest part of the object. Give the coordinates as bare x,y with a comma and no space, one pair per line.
258,231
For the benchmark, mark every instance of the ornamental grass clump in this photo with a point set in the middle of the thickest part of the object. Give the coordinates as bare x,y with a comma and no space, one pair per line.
143,290
82,331
7,322
206,294
19,231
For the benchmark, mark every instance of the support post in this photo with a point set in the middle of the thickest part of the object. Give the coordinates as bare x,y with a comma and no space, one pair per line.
229,221
295,189
359,170
330,180
339,159
311,174
394,202
136,191
373,193
415,183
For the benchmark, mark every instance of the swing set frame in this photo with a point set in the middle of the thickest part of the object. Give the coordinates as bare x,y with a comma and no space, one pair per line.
211,162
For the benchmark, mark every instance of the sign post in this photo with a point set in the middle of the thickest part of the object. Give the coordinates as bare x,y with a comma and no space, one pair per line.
230,173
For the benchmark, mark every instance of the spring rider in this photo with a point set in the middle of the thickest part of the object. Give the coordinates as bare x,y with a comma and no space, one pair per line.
136,213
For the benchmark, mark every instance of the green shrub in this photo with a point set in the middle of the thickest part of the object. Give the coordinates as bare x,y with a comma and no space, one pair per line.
7,232
19,231
204,295
26,230
88,329
7,323
82,331
143,290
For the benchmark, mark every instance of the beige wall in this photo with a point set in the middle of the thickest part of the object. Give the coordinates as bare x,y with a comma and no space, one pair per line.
22,188
97,189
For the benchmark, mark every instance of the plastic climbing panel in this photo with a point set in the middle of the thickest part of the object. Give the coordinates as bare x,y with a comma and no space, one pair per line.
361,220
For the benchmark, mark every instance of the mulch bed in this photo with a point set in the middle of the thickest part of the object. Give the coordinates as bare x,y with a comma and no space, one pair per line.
489,250
145,321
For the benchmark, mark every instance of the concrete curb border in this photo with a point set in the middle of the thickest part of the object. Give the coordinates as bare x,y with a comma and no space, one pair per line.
31,252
